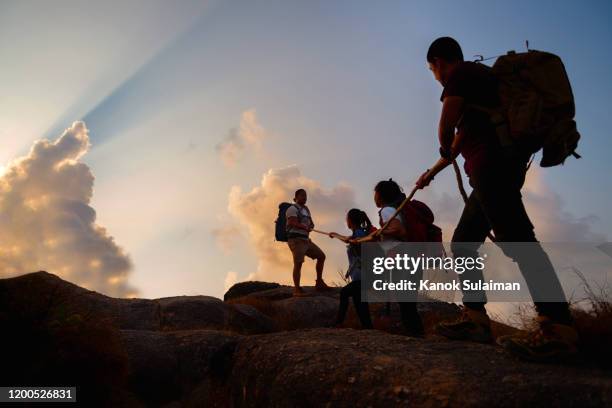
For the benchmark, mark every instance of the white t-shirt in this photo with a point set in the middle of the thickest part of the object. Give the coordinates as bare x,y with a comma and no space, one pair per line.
387,212
304,217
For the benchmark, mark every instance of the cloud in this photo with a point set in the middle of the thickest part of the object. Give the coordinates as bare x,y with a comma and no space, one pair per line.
226,237
230,279
553,223
446,208
257,209
239,140
46,220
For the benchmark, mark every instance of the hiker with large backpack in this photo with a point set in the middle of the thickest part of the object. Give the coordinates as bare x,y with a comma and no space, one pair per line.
360,225
293,225
496,118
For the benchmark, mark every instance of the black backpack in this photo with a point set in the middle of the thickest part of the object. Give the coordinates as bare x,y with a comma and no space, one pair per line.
281,222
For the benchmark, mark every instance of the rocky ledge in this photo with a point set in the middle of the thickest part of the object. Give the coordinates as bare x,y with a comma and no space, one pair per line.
262,347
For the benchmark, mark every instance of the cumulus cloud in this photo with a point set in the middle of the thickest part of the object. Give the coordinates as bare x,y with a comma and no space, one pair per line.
226,237
239,140
230,279
446,208
47,222
257,209
553,223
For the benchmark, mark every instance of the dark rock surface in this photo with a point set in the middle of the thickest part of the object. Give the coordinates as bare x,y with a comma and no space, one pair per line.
165,366
241,289
345,367
268,348
173,313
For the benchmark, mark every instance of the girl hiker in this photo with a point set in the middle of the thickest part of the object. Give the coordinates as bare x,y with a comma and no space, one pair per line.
358,222
388,195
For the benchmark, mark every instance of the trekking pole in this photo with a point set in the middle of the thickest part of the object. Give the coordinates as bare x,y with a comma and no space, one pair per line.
464,194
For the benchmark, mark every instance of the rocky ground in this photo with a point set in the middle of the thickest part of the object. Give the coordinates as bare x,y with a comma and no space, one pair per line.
262,347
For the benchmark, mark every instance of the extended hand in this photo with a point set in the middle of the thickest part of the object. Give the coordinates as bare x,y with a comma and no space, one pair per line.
424,180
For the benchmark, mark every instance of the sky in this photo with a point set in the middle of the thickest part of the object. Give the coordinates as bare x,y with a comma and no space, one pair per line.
195,119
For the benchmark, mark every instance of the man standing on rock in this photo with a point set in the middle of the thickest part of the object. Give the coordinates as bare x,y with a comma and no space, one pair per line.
299,225
494,204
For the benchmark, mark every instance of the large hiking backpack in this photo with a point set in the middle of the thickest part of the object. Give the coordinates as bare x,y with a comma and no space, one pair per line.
419,223
537,106
281,222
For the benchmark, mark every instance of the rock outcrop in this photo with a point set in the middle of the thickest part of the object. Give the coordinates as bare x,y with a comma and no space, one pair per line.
241,289
166,366
345,367
263,347
174,313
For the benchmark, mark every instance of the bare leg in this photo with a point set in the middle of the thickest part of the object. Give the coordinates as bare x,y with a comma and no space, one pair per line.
319,268
297,273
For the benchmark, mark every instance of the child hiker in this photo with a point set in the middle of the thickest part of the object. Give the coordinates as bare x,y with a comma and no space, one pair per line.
359,223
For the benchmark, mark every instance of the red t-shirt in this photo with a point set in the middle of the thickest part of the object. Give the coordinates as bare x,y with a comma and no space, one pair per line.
476,84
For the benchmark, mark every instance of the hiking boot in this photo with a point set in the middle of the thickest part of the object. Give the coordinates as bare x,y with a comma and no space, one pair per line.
321,286
552,342
298,291
473,325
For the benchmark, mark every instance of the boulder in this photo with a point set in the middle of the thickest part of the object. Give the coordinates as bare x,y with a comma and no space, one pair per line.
305,312
37,292
351,368
166,366
41,291
207,312
318,309
285,292
241,289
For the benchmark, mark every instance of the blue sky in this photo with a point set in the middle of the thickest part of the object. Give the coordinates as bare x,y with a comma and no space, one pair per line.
341,88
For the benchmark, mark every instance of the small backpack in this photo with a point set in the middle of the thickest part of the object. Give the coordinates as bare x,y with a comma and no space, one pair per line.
420,227
281,222
419,221
537,106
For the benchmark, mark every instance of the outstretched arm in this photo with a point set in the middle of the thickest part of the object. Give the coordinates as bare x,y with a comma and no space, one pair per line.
342,238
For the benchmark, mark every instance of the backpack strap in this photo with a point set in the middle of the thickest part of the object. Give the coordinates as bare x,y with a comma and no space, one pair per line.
299,213
497,119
